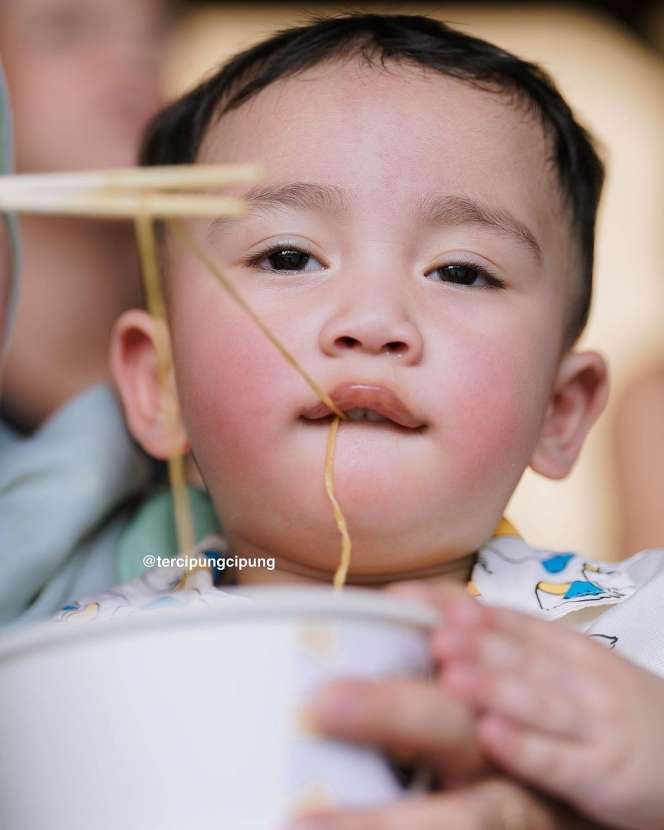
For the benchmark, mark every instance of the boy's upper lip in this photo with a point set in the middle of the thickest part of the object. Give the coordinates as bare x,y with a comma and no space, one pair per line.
357,395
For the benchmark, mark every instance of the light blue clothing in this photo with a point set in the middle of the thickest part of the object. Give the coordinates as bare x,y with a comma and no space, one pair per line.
65,499
151,530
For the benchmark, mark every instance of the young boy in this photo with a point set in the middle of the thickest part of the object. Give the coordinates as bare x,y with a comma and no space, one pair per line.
423,244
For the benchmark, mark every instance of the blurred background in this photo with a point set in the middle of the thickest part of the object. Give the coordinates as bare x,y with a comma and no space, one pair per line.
607,60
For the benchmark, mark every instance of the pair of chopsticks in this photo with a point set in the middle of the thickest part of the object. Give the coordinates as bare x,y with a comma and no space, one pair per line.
160,192
141,194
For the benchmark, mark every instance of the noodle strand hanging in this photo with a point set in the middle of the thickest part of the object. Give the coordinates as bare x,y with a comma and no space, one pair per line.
156,306
342,571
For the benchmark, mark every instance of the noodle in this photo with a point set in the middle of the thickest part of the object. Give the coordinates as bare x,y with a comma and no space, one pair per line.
155,300
342,571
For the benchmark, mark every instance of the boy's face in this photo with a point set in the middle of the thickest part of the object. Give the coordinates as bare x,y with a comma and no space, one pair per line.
411,187
84,76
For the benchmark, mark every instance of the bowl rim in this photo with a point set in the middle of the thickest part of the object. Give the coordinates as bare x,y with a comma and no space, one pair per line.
259,603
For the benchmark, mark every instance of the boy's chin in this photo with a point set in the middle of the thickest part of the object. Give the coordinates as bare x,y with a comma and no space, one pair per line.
381,547
387,512
379,562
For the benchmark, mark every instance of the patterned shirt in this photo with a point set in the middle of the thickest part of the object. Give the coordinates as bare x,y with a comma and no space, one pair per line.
619,603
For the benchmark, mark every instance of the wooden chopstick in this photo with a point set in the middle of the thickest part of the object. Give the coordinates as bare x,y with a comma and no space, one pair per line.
126,192
172,177
119,205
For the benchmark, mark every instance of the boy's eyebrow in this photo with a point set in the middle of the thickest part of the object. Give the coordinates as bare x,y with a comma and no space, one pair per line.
461,210
444,210
302,195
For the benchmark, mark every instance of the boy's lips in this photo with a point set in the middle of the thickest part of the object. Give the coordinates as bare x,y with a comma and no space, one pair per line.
377,398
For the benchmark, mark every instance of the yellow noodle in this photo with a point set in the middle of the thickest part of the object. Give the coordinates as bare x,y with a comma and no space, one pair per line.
342,571
157,308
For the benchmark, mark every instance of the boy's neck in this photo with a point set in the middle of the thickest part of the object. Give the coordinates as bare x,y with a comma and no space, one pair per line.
458,571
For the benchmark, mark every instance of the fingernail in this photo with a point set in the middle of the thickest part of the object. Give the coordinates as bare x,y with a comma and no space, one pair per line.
307,720
337,703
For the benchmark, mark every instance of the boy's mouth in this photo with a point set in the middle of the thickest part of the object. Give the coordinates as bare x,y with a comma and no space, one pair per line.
367,402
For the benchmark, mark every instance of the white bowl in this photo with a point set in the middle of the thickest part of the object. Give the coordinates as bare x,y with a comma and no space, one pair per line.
177,719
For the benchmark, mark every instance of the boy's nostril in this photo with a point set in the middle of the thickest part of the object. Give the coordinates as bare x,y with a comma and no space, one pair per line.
347,342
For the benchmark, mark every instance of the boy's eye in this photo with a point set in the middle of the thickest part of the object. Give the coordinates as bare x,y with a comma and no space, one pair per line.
462,273
285,259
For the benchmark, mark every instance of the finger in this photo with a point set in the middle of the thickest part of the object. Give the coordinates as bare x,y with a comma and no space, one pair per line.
509,679
490,805
409,719
554,765
512,674
431,813
460,638
551,637
450,598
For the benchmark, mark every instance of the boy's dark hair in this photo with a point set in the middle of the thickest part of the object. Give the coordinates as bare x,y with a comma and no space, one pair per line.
176,134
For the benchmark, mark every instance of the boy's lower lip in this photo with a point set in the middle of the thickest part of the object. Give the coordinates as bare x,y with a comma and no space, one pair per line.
352,396
386,425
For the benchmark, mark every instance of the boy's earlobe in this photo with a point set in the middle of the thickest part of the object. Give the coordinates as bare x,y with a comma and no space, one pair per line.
152,413
578,398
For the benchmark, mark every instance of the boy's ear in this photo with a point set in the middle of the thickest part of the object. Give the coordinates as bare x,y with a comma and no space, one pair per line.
152,413
578,398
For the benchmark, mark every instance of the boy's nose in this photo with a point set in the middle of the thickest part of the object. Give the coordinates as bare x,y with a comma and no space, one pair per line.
372,332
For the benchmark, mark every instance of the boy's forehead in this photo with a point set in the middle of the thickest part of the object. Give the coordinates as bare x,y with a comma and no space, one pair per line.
405,131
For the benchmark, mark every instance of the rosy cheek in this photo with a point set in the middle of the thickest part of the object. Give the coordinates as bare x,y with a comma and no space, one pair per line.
493,418
229,376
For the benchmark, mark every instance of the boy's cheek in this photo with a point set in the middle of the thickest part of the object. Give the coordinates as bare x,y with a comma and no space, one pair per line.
230,379
494,415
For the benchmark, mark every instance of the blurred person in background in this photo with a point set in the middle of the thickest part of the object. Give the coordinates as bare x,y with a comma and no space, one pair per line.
639,442
84,79
8,243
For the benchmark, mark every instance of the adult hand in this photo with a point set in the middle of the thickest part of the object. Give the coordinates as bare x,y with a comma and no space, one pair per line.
420,721
559,711
492,804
